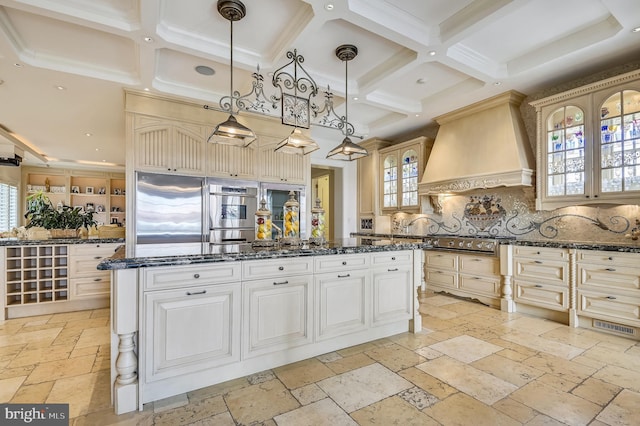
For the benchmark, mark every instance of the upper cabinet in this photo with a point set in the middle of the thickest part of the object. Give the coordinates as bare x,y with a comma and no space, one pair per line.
588,144
281,167
232,161
169,147
401,167
368,184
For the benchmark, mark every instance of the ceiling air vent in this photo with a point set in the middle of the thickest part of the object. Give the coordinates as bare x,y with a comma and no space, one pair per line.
616,328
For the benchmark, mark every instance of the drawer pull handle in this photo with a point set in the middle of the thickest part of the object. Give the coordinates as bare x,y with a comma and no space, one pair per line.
537,252
280,268
344,276
280,283
611,298
97,279
538,286
196,292
97,257
537,261
476,278
344,262
196,276
476,260
610,258
392,270
393,258
610,269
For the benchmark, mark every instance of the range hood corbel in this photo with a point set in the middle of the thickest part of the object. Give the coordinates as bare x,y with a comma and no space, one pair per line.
483,145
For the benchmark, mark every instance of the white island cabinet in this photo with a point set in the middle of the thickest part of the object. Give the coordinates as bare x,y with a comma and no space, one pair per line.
205,323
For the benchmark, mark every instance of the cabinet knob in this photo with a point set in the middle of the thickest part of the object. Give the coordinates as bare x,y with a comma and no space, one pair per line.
595,196
196,275
280,268
344,262
609,258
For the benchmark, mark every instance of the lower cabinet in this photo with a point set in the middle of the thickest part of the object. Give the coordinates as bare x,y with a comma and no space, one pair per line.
392,301
191,329
86,281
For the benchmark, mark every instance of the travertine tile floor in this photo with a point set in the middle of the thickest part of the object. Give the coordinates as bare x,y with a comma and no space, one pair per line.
472,365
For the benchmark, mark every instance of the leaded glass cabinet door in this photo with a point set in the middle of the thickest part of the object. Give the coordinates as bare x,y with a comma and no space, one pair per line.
390,181
620,143
409,180
565,141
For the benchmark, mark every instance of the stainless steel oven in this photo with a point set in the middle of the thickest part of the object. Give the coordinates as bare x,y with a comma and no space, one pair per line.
232,209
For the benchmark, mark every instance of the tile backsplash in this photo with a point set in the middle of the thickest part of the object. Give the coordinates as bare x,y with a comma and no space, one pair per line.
510,212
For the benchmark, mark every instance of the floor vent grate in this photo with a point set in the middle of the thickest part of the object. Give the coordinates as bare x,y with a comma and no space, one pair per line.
610,326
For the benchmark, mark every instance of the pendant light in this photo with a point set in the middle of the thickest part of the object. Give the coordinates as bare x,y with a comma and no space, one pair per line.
297,143
231,132
347,150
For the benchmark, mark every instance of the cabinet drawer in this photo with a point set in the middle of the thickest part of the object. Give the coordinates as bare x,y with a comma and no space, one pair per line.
609,258
391,257
541,253
542,271
479,265
544,296
171,277
599,305
442,278
338,263
258,269
484,286
85,266
439,259
609,278
81,288
102,249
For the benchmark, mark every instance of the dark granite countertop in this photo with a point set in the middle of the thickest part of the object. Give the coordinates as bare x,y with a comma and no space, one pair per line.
344,246
8,242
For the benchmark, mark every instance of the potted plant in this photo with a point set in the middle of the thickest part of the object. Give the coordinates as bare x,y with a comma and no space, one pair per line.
62,222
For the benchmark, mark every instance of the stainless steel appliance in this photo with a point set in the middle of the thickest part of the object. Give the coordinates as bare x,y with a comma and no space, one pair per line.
169,214
276,194
232,209
477,245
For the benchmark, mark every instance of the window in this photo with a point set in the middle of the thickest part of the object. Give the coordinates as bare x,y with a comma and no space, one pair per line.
8,207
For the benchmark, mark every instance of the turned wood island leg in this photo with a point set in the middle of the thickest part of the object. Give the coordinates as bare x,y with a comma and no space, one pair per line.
124,362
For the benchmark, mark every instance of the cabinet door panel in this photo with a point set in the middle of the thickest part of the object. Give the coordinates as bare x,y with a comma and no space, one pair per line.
621,309
542,271
90,287
152,150
341,300
545,296
392,294
191,329
441,278
483,286
441,260
188,153
277,316
609,278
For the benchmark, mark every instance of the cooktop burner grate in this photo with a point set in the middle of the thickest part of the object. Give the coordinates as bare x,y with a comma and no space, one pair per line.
487,246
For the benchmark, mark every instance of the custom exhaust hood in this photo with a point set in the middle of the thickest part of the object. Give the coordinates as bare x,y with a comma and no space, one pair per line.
483,145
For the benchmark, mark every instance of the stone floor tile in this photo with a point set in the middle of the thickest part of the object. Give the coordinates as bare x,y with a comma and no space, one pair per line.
478,384
392,411
84,394
9,387
219,389
623,410
613,357
366,385
38,338
530,325
439,300
561,406
412,341
40,355
323,412
308,394
187,414
261,402
571,336
427,382
349,363
32,394
507,370
428,353
543,420
101,313
8,373
70,316
557,382
54,370
261,377
541,344
395,357
597,391
619,376
418,397
302,373
94,336
170,403
107,417
465,348
515,410
561,367
331,356
461,409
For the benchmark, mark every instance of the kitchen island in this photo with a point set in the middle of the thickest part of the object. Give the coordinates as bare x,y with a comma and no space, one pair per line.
184,322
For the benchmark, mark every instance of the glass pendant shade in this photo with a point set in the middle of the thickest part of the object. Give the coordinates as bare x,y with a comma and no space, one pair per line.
233,133
347,150
297,143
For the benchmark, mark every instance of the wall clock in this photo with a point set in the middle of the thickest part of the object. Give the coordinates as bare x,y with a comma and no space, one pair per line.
295,111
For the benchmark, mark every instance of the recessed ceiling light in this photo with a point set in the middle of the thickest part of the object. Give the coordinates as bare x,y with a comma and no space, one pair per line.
148,39
88,134
432,53
497,83
61,88
636,30
146,89
17,65
97,149
421,81
328,6
355,98
204,70
104,161
417,115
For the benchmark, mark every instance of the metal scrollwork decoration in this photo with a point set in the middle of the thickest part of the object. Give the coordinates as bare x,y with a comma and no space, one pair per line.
293,77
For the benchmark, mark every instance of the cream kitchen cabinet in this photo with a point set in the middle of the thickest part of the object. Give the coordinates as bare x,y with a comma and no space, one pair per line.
232,161
169,147
277,305
401,168
281,167
541,277
462,274
608,291
392,298
342,294
588,144
368,182
85,280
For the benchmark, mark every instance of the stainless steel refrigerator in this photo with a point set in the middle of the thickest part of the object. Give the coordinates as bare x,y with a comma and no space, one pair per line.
169,214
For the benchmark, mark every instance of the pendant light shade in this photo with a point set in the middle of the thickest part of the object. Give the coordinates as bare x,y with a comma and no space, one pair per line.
347,150
231,132
297,143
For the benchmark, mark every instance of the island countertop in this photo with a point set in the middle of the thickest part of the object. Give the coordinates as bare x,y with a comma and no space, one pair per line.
9,242
343,246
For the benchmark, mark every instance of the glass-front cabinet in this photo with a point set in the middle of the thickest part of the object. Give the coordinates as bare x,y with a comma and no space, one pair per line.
589,144
401,170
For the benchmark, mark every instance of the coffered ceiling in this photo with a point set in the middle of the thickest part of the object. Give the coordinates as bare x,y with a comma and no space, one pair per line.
64,63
